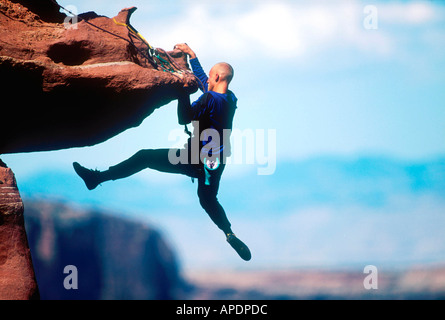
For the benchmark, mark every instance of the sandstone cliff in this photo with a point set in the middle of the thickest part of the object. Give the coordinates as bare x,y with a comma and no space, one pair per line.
17,280
68,85
64,86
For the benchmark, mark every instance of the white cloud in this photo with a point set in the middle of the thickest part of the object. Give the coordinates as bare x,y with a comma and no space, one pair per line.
291,29
273,28
280,29
415,13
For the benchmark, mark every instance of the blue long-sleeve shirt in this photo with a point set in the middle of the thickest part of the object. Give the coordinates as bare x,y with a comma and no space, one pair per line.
199,72
213,111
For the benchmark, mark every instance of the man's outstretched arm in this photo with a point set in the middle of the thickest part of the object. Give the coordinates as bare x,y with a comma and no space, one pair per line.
198,71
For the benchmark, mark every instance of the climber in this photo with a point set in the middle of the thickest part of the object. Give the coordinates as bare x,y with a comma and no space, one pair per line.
213,112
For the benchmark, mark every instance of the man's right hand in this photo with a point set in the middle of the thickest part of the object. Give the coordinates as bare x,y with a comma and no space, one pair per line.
186,49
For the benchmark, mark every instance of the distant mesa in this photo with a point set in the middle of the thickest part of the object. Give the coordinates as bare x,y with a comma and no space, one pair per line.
115,258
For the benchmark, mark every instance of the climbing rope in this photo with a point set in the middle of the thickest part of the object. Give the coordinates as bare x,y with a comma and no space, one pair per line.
151,54
134,31
168,64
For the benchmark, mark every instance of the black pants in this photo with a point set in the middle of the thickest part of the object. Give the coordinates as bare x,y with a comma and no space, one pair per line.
158,160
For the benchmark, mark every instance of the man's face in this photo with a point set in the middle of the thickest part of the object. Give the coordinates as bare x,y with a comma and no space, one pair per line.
213,77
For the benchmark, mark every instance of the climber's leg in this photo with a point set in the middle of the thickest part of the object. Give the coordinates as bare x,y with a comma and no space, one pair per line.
207,193
154,159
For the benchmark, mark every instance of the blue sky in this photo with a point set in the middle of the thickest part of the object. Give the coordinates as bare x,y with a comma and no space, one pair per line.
309,70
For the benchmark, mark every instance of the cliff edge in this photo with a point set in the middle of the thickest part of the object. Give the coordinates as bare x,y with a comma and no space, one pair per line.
77,82
69,83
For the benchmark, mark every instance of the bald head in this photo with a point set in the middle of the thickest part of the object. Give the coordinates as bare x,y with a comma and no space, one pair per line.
225,71
220,76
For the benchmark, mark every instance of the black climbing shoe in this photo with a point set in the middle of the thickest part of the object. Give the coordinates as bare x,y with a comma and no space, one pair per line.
239,246
90,177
